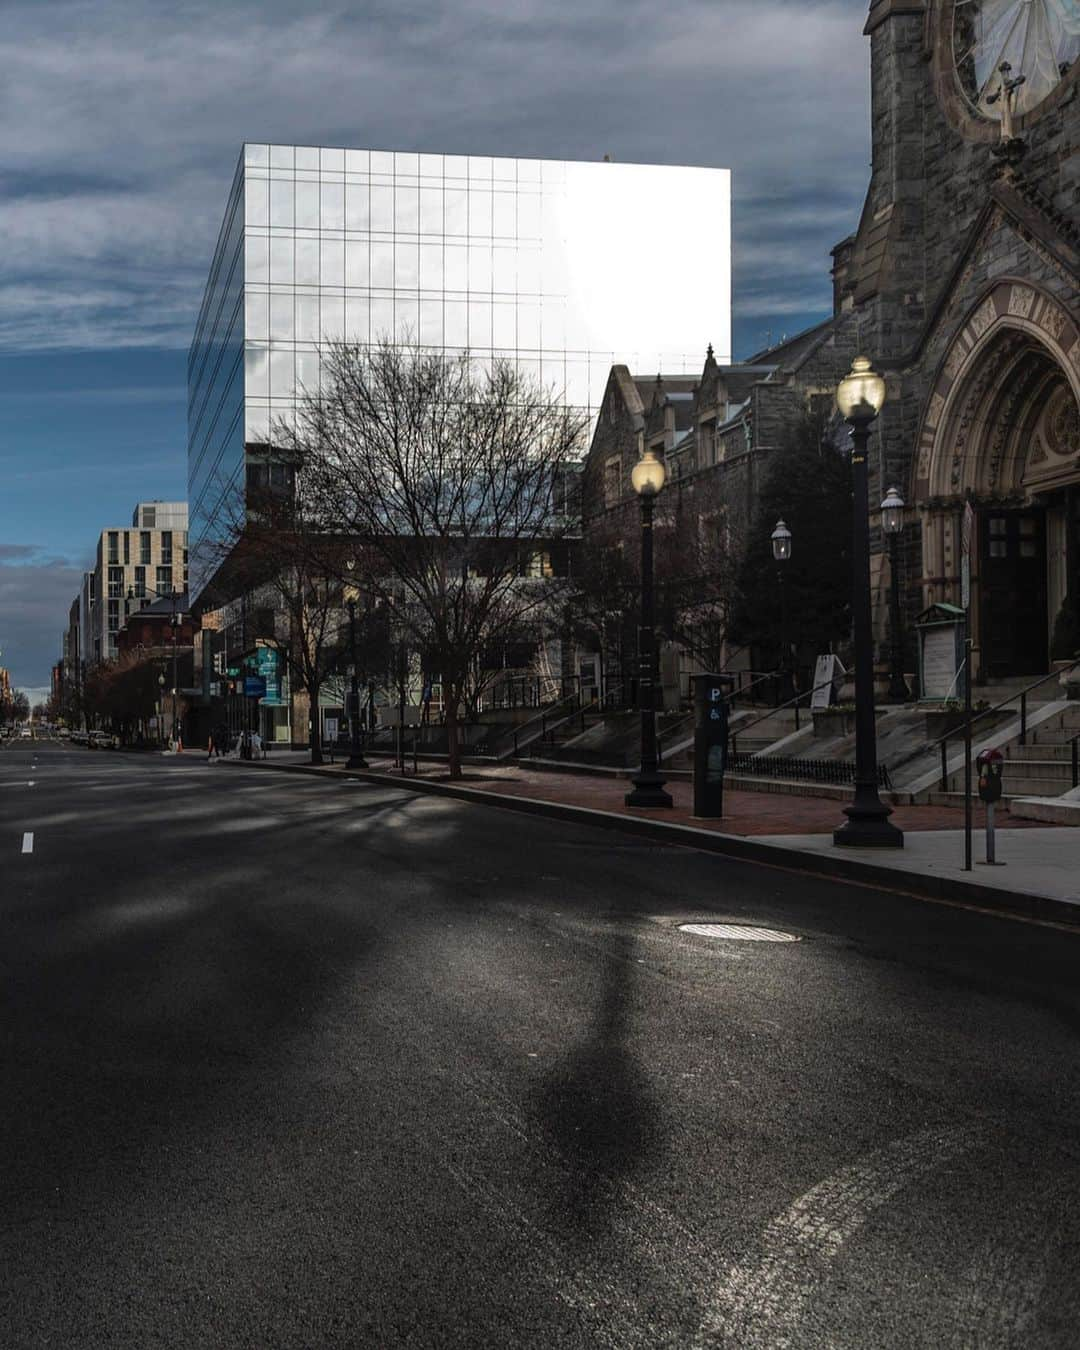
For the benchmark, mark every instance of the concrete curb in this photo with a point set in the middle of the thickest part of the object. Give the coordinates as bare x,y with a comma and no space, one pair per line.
944,890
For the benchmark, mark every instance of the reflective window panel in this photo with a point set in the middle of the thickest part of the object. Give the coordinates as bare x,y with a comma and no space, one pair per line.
539,260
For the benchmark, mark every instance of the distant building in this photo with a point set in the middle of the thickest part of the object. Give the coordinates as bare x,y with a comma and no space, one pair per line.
148,560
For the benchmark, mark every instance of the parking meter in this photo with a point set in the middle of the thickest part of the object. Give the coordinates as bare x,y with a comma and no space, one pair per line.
990,765
710,743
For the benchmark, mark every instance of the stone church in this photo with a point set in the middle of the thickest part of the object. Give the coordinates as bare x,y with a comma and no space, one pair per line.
961,284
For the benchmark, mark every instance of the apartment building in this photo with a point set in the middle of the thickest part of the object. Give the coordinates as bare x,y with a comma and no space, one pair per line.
146,561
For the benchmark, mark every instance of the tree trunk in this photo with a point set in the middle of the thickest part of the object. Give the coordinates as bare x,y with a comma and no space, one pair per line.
453,747
314,729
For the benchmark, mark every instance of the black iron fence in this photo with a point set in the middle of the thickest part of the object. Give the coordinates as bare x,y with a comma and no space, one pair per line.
840,772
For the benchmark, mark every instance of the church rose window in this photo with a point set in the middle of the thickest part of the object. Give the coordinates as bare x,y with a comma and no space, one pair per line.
1038,39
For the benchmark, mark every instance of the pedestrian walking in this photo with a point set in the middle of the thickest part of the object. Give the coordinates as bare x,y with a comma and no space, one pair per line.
256,745
210,747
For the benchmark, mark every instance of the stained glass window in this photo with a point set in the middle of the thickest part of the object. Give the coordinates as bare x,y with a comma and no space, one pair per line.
1038,39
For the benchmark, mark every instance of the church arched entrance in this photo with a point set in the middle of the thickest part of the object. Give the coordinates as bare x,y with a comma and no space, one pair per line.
1002,430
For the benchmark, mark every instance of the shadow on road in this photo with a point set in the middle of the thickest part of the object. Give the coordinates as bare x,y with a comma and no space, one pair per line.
598,1107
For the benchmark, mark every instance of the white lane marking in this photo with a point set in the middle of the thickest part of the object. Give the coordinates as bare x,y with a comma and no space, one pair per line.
759,1303
28,842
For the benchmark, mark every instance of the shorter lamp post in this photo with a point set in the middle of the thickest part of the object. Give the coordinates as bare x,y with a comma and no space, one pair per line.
781,551
892,523
860,398
647,477
356,758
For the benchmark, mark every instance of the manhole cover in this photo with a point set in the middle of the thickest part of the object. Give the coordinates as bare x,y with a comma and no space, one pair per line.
738,932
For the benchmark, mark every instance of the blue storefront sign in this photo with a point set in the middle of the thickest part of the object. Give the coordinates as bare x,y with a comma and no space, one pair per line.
268,661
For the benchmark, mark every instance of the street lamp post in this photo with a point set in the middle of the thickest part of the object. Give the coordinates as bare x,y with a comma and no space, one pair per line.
648,478
175,620
781,551
161,695
356,758
892,523
860,398
175,624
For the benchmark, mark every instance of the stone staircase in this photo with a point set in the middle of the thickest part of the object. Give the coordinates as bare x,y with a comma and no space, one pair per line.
1044,767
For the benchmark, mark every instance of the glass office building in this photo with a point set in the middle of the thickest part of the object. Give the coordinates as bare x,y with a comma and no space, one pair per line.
564,267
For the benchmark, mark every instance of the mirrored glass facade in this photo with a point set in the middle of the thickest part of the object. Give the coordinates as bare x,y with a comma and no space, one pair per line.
564,267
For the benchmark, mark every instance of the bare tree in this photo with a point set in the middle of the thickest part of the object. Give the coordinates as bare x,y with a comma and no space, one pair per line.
695,571
449,476
603,593
291,573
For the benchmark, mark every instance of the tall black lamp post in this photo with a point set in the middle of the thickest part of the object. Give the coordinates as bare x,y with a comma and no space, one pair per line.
892,524
356,758
781,551
647,477
860,397
175,620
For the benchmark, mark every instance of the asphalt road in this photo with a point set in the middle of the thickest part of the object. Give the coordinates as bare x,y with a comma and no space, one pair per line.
308,1064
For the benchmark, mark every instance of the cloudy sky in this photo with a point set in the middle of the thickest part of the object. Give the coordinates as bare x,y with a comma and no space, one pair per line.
121,121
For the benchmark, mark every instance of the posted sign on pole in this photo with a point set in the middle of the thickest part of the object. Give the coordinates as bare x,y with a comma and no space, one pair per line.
710,743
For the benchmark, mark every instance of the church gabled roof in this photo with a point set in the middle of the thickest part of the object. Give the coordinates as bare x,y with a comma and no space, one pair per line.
1033,218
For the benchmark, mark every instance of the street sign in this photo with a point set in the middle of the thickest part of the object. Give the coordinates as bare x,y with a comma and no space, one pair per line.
233,672
254,686
828,675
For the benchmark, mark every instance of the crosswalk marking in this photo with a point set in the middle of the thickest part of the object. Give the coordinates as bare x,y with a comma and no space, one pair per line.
28,842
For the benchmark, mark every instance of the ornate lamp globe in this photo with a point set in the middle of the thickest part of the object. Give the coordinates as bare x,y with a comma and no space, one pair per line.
648,475
892,512
860,395
781,542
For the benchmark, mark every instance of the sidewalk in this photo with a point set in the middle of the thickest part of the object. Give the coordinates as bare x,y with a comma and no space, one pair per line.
1040,878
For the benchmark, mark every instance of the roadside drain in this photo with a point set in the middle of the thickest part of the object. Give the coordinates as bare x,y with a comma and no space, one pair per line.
737,932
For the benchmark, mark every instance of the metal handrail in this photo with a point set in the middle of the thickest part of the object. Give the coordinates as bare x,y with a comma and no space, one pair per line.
791,703
943,741
542,718
761,679
667,732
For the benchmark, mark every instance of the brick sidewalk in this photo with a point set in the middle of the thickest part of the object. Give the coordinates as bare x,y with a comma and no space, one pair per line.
745,813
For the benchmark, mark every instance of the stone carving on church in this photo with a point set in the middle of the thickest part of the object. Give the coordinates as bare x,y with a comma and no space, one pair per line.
1021,300
1061,423
984,316
990,383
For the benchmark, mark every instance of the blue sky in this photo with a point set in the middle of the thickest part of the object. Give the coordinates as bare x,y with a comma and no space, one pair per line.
121,121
